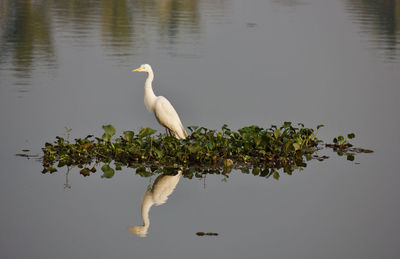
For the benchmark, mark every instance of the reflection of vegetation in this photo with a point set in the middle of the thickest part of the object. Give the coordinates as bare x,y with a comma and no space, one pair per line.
381,19
116,23
263,151
173,14
28,35
77,12
27,27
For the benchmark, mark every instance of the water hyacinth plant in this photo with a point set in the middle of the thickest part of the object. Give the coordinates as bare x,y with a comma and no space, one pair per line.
261,151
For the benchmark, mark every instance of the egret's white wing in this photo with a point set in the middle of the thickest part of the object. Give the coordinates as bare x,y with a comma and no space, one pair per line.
168,117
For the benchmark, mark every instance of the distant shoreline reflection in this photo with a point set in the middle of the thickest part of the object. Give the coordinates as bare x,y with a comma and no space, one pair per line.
32,31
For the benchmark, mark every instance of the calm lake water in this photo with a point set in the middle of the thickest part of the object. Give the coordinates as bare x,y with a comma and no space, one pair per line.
262,62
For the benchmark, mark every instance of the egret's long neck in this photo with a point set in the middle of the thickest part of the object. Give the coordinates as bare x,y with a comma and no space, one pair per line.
149,96
147,202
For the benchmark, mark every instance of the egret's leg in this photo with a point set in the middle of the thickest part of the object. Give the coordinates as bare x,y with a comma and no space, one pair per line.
149,185
167,131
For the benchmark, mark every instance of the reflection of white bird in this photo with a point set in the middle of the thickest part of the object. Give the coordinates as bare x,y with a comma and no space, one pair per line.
162,108
163,186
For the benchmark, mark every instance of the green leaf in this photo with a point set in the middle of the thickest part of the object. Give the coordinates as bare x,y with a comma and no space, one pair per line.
287,124
227,170
194,148
52,170
228,162
351,135
108,171
106,137
109,130
158,153
264,172
350,157
296,146
256,171
128,135
245,170
193,128
145,132
61,164
276,175
141,170
85,172
277,133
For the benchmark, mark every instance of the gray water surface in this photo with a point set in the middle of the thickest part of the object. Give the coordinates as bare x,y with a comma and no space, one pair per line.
332,62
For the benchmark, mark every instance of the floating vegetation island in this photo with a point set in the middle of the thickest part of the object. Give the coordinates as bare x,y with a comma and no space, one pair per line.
262,151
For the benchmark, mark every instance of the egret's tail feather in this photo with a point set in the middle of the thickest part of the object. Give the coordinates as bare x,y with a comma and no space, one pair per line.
184,135
181,134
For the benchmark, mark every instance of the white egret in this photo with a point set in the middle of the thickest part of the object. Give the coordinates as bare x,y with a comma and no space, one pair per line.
163,186
162,108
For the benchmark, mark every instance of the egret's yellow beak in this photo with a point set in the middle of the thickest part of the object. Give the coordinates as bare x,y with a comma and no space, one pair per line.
137,69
